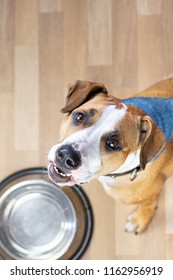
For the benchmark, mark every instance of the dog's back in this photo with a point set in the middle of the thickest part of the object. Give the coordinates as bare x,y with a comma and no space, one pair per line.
161,89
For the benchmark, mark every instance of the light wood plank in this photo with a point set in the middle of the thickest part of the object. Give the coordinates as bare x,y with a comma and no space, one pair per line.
24,159
26,98
124,43
102,74
55,42
149,7
7,133
49,6
149,51
155,234
102,243
6,46
126,244
168,205
26,22
125,92
50,80
74,41
169,247
167,35
99,32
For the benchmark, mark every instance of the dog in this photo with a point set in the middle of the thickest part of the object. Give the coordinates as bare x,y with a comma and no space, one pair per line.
126,143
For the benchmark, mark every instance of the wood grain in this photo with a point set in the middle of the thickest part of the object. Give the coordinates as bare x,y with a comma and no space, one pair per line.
149,7
49,6
167,35
26,98
26,22
168,202
99,32
149,50
50,80
6,128
7,16
74,41
47,44
124,43
122,238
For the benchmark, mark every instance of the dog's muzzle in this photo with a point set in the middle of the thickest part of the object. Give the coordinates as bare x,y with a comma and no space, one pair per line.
66,159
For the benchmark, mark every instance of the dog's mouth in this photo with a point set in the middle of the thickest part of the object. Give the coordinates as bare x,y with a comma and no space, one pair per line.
59,176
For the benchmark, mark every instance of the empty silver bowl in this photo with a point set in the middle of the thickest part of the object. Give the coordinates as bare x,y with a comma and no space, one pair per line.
39,220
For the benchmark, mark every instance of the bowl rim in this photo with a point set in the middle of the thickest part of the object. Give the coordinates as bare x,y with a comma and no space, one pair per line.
89,222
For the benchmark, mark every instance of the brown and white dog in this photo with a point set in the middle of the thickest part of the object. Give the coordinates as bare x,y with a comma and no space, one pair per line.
126,144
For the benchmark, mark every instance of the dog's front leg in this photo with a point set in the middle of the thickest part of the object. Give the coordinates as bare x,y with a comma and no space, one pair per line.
138,220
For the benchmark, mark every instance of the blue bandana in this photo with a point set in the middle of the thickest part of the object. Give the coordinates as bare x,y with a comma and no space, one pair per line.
159,109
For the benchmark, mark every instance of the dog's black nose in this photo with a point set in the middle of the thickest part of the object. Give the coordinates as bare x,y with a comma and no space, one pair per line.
67,157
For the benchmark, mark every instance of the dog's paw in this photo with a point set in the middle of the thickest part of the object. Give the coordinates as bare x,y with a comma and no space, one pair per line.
130,226
138,221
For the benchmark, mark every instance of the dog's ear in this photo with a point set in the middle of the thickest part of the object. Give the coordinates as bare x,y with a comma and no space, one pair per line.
80,92
152,139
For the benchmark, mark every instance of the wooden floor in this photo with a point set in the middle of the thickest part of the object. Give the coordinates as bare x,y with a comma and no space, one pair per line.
46,44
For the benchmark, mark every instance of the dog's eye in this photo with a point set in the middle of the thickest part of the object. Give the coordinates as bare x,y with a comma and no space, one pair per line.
113,144
79,117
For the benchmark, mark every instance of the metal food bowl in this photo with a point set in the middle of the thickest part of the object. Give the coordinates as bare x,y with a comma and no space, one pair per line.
40,221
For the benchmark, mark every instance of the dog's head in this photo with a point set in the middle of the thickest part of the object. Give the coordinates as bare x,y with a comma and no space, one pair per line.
100,135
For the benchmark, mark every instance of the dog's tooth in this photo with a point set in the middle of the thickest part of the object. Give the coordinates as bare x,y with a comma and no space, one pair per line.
58,171
55,168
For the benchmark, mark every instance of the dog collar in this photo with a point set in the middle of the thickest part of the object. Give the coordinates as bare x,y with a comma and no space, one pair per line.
134,173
